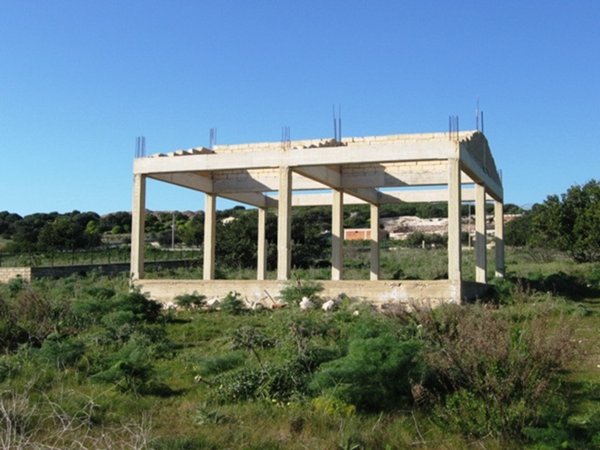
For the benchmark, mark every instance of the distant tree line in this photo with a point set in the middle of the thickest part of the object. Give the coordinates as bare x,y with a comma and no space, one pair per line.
237,230
569,222
45,232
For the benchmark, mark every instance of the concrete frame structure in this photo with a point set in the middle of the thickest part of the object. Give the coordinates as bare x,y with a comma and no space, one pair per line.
373,170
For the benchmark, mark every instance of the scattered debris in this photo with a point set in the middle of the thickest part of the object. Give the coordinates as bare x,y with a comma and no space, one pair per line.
306,304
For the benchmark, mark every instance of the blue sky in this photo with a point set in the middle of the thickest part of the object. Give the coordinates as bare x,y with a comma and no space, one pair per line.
79,80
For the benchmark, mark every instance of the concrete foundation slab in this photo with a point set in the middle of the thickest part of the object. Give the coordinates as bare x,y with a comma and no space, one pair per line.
428,293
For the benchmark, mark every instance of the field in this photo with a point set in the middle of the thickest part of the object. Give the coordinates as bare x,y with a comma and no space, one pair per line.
86,364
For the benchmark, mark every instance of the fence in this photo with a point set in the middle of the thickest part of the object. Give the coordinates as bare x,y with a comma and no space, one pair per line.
94,257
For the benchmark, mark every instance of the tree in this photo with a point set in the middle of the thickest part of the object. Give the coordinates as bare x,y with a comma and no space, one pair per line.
570,222
518,231
581,220
192,231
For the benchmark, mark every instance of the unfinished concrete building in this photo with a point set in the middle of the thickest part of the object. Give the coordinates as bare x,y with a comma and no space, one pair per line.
433,167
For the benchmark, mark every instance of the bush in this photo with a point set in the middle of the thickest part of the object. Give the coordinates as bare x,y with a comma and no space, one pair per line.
277,383
377,373
11,335
131,307
130,370
15,285
296,290
498,376
232,304
238,386
36,315
593,276
332,406
61,351
417,239
190,301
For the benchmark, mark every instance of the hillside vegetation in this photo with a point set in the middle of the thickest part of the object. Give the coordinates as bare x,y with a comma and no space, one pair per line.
88,364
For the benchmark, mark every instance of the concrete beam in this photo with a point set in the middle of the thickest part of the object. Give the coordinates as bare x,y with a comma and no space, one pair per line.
430,195
422,173
187,180
252,198
258,180
470,166
204,183
333,178
322,174
369,195
434,149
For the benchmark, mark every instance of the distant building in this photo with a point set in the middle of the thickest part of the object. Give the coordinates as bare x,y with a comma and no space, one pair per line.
362,234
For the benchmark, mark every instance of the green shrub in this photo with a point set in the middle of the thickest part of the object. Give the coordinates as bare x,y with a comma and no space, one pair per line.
100,302
11,335
190,301
593,276
100,292
277,383
15,285
232,304
119,324
417,238
296,290
243,384
377,373
61,351
332,406
130,370
9,367
249,338
467,413
144,309
549,438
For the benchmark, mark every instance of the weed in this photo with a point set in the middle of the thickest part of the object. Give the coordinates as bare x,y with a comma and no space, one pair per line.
296,290
232,304
190,301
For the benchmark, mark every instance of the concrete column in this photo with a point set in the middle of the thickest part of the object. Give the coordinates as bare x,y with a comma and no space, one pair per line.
138,219
480,236
499,237
374,242
454,202
261,264
337,235
210,231
284,224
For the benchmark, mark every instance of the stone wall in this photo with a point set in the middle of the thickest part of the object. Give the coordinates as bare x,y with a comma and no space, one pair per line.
9,273
29,273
